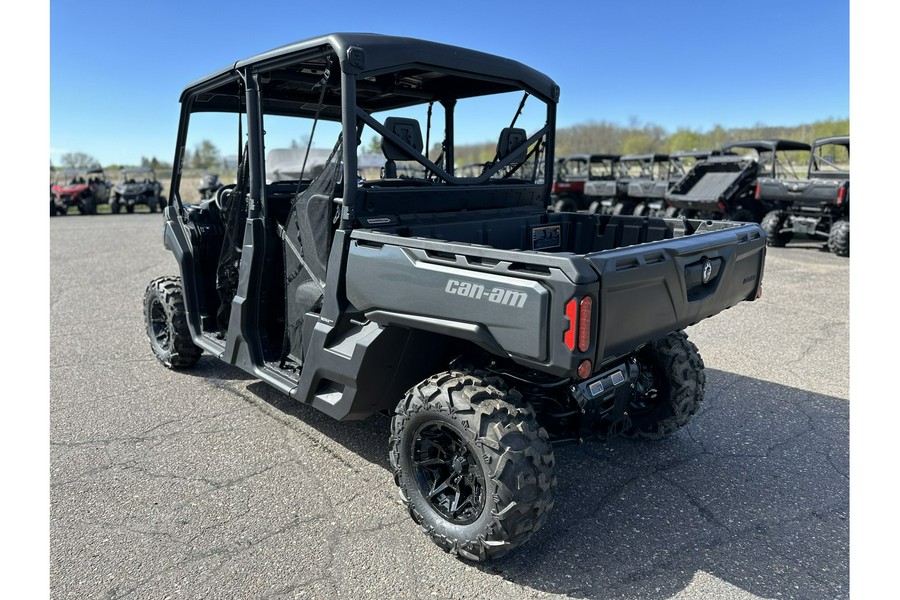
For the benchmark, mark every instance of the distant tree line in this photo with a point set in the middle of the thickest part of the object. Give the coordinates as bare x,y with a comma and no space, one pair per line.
204,156
590,137
608,138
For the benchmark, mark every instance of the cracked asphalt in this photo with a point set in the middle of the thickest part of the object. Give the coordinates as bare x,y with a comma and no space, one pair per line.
209,484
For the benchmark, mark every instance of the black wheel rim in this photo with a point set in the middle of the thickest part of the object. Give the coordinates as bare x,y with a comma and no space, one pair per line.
160,333
447,473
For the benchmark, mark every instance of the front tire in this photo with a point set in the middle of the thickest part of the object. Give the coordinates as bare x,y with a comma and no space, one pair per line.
772,224
166,319
839,238
669,389
474,468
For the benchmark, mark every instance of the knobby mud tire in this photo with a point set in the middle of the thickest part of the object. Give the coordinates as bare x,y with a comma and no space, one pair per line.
772,224
166,321
681,381
507,444
839,238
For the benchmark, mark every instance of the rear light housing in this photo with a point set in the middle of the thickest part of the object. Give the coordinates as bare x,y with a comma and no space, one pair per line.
756,193
842,193
577,337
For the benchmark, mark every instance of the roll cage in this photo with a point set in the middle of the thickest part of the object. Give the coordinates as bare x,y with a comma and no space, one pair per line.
350,79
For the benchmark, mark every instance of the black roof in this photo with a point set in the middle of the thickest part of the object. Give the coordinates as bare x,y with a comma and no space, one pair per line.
768,145
840,140
430,71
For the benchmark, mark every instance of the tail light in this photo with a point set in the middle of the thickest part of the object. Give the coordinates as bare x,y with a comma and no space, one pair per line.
756,193
572,316
584,324
579,314
841,194
721,206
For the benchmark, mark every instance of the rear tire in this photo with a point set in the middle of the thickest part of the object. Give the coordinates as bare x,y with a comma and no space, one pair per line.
474,468
839,238
669,390
772,224
640,210
166,320
129,208
114,206
671,212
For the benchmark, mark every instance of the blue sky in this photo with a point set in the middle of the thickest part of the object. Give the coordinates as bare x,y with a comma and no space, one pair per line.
117,68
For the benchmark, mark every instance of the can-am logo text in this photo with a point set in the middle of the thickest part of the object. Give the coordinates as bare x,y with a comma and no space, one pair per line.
477,291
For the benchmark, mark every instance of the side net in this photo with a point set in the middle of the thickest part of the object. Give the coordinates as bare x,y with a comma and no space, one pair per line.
308,234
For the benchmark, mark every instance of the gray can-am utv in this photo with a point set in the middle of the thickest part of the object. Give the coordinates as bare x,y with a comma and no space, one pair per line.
486,326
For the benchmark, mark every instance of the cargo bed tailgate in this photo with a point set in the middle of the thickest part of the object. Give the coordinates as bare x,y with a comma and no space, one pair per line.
649,290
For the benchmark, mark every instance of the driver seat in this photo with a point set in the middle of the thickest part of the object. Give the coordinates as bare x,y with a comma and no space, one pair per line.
409,131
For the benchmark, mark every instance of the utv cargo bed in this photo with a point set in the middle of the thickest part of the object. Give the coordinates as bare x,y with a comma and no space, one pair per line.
648,274
708,182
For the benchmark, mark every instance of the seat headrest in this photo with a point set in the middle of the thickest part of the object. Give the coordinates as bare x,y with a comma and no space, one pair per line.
407,130
512,141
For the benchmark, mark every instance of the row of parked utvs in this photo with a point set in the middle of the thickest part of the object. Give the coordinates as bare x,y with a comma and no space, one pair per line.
86,189
753,181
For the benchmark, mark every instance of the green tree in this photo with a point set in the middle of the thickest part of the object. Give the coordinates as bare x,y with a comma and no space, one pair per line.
206,156
79,160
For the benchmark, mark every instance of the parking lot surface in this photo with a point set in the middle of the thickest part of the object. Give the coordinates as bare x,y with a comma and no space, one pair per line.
209,484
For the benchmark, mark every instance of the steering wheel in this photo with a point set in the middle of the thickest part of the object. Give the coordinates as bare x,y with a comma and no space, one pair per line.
220,194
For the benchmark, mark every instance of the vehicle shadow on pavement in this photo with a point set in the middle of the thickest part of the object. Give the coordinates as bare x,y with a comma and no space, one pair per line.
210,367
752,495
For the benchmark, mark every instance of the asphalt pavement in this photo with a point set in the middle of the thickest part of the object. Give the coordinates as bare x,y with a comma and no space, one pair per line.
210,484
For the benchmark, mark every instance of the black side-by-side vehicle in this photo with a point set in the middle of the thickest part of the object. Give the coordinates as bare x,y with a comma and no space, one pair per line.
724,185
486,326
575,176
818,206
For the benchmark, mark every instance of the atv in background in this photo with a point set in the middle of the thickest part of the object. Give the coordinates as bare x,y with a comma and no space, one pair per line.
653,203
575,174
817,206
137,185
208,186
635,172
650,193
724,185
81,188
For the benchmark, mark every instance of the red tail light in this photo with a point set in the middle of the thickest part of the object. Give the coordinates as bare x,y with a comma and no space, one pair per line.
756,193
584,323
572,315
579,316
841,194
721,205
